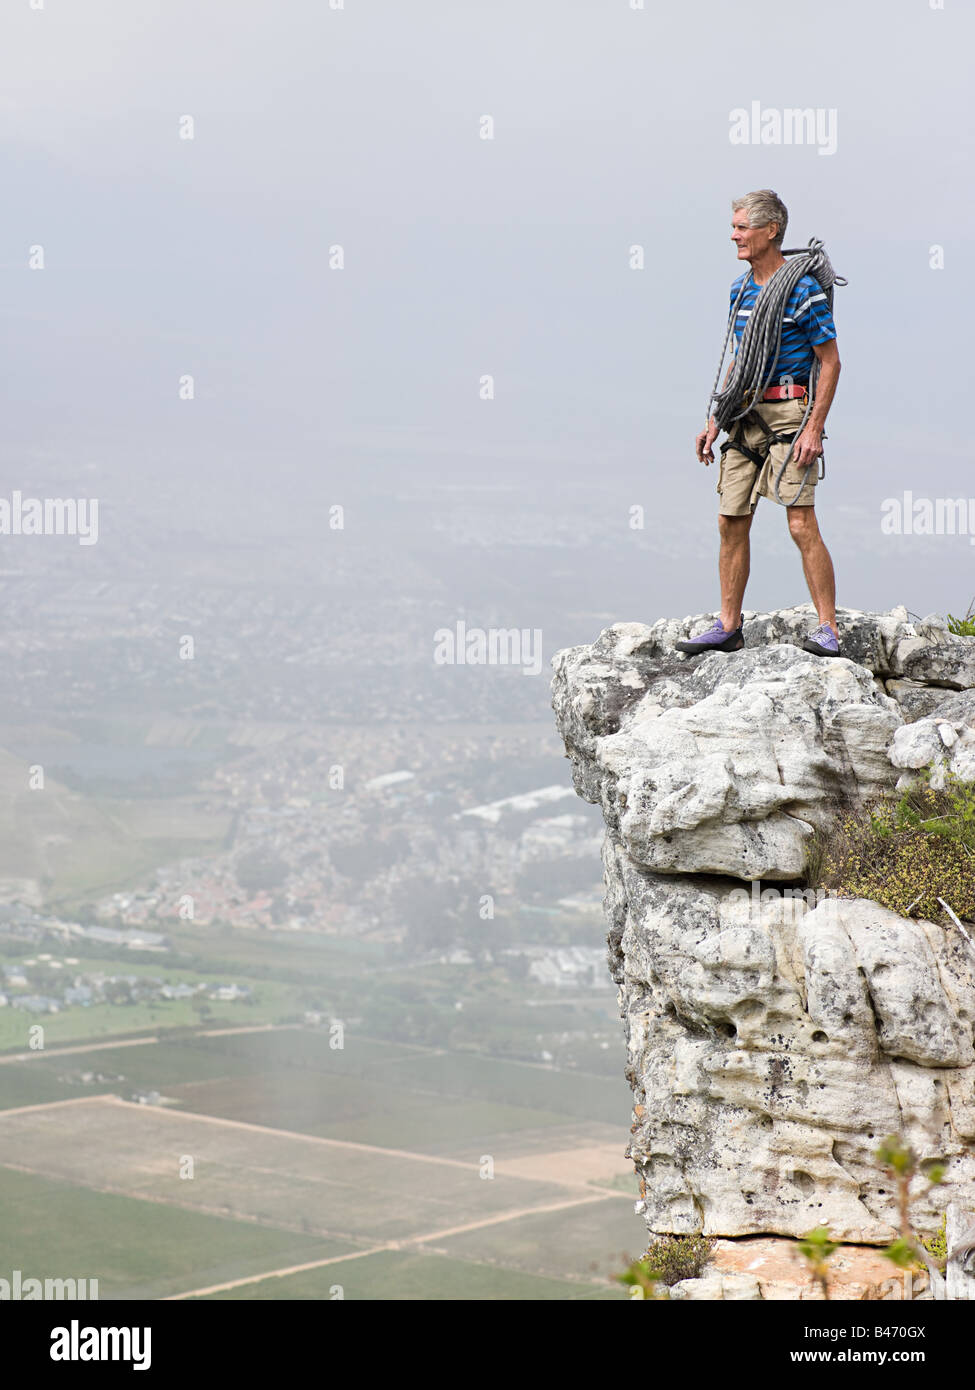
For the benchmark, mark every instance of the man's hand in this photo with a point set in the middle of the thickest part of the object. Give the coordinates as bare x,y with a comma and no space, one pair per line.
808,446
703,444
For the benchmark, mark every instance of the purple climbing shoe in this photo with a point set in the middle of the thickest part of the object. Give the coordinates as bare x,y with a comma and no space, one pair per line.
823,641
716,639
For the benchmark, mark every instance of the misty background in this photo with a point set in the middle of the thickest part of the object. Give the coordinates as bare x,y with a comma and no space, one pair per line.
358,388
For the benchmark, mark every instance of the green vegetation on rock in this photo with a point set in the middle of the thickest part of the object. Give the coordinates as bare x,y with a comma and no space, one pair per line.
963,627
670,1259
907,853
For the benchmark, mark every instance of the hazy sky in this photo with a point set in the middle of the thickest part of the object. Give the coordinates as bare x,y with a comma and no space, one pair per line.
360,127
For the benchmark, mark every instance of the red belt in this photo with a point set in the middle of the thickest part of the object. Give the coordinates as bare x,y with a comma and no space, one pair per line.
786,393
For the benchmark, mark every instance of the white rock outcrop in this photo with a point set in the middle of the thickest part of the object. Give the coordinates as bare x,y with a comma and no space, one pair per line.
773,1041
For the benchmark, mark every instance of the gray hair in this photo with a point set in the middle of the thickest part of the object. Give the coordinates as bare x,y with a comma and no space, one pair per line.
763,207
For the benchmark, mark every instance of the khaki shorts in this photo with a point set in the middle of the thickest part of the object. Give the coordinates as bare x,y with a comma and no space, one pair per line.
741,483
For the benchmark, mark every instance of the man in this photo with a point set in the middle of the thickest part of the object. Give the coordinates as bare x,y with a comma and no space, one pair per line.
750,464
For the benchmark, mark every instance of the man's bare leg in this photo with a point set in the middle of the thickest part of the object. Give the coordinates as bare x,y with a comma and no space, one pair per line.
734,563
816,563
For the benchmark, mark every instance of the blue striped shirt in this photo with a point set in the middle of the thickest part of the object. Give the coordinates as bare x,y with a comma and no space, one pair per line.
807,320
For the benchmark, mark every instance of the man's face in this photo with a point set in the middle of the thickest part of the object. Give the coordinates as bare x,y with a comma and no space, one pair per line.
751,241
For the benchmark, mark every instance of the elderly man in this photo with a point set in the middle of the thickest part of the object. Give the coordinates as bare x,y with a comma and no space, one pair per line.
757,446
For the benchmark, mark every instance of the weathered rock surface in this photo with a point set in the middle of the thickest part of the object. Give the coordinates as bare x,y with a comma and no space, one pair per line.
773,1043
945,736
734,781
893,645
768,1267
771,1047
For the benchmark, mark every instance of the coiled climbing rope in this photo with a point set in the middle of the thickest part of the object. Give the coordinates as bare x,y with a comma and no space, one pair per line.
761,340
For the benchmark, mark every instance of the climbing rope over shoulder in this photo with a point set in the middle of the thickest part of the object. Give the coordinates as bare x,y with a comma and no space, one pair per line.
760,344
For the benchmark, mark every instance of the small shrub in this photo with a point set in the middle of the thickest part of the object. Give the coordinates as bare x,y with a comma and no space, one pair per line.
907,853
818,1245
638,1274
963,627
902,1164
673,1258
817,1248
937,1245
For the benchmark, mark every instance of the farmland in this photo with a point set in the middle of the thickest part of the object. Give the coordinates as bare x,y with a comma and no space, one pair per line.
359,1167
136,1249
428,1277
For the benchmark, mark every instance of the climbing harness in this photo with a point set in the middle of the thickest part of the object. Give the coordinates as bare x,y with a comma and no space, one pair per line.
759,457
757,355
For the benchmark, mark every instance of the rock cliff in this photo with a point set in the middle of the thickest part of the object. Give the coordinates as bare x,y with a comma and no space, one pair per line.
774,1040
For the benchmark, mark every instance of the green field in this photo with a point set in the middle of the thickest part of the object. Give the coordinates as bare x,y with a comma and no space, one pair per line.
346,1107
279,1179
271,1001
27,1083
489,1078
354,981
157,1065
269,1198
196,1057
397,1274
242,950
309,1049
140,1245
370,1091
136,1249
599,1238
448,1075
100,1022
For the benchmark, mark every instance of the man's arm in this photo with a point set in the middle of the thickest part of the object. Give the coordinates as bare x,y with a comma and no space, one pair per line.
706,438
809,444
